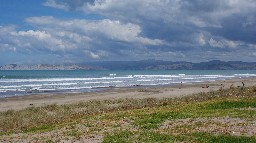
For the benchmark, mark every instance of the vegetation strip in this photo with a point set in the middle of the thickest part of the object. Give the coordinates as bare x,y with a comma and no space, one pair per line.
220,116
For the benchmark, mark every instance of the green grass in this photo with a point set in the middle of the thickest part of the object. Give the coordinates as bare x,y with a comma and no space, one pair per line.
40,128
155,137
152,121
129,137
73,133
233,104
138,120
48,141
209,138
119,137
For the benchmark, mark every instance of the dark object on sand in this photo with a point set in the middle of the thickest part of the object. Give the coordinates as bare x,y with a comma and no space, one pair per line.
180,85
243,85
206,86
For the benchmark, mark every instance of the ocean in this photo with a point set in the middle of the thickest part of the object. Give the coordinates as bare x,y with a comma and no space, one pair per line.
19,83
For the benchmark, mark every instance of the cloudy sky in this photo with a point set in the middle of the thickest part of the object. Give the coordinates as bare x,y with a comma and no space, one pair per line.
76,31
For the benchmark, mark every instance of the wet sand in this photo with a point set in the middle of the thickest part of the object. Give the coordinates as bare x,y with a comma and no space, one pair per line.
21,102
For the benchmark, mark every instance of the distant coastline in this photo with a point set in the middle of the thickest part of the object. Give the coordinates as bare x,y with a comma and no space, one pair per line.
139,65
48,67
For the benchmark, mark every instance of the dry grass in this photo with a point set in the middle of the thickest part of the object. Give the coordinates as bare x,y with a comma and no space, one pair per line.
135,119
51,115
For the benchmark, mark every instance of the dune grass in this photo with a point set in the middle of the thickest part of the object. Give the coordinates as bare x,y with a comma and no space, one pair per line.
219,116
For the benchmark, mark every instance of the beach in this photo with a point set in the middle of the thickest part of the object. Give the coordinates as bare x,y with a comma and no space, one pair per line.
175,91
128,71
216,111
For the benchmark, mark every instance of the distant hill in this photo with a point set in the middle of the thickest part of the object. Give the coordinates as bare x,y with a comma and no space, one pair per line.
220,65
168,65
140,65
48,67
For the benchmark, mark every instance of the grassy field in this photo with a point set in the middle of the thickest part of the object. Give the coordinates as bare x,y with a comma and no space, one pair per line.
220,116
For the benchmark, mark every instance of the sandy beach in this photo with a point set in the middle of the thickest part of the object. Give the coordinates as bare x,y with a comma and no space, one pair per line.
135,114
21,102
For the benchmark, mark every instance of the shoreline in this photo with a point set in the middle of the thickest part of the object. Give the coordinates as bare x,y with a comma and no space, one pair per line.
21,102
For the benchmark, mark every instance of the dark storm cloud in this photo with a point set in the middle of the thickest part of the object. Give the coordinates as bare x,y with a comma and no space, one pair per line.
203,5
238,28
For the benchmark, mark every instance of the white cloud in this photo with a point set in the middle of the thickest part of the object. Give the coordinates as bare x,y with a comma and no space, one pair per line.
223,43
52,3
168,13
140,29
197,12
5,47
31,37
55,4
94,56
32,40
42,20
110,29
56,36
201,39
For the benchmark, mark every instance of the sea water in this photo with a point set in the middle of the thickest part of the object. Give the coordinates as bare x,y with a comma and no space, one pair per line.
17,83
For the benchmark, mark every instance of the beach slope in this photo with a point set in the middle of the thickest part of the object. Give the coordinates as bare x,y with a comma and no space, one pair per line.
220,111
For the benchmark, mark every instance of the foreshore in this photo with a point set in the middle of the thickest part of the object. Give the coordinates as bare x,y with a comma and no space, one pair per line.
180,90
218,111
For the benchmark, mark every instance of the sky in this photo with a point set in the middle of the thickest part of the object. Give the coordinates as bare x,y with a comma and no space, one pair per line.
78,31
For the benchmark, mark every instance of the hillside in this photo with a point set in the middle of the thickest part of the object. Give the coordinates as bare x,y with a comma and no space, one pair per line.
139,65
